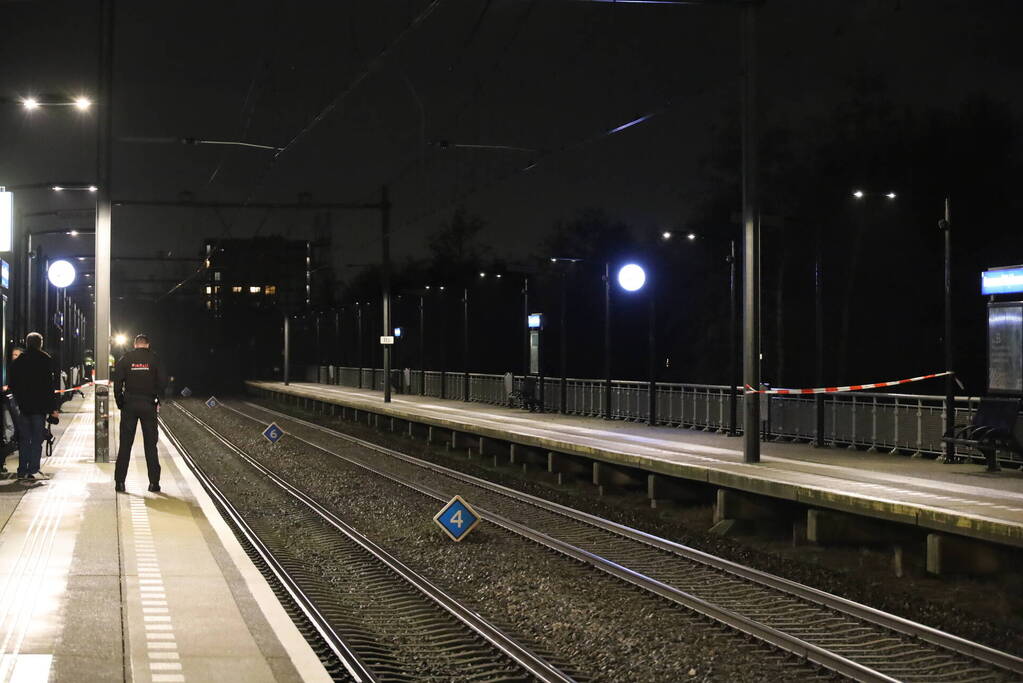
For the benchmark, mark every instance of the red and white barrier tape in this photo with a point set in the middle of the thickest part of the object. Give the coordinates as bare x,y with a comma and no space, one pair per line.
81,386
852,387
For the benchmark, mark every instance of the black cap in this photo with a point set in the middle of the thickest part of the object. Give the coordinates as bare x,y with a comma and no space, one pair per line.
141,337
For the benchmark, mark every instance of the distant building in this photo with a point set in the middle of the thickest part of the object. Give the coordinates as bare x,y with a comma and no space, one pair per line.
248,275
249,285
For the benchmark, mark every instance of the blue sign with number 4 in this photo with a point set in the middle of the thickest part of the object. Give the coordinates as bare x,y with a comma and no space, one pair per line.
457,519
211,402
273,433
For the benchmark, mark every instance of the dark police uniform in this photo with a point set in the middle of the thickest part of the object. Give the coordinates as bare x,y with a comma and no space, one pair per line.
138,382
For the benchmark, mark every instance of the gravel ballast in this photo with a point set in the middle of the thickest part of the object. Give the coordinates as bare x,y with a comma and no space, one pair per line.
989,611
602,628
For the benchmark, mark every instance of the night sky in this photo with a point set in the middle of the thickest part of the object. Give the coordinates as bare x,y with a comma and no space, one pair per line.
547,76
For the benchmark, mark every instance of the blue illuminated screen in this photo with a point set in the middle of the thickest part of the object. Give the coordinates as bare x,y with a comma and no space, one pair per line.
1002,281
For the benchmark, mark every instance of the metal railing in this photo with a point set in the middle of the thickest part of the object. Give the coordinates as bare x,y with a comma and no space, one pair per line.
896,423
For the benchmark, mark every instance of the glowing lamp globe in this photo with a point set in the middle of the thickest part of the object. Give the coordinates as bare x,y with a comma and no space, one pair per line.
61,274
631,277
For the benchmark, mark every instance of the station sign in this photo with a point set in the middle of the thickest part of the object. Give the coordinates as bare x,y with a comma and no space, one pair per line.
1008,280
457,519
387,339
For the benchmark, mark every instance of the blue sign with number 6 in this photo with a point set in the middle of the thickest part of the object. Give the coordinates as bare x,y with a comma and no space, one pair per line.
273,433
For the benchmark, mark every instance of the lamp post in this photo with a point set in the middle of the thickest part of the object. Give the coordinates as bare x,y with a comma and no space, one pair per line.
945,224
734,338
631,277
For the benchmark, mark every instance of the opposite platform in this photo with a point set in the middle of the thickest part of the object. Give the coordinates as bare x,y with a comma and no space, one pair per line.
98,586
960,499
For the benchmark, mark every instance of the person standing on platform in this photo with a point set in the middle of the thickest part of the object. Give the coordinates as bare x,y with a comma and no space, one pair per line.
31,379
138,382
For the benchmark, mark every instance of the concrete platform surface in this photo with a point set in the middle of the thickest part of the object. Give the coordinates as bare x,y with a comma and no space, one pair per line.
98,586
961,499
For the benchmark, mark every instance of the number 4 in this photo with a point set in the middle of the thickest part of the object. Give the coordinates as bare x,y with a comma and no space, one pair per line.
456,519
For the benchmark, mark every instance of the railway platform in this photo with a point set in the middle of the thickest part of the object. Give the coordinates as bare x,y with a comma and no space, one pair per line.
964,510
98,586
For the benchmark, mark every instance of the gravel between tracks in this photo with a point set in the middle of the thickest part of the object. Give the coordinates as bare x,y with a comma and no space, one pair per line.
983,610
601,628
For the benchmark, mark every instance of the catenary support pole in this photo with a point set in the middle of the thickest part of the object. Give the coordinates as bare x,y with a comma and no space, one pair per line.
734,353
422,346
818,297
465,344
103,230
563,340
607,340
651,407
525,325
751,239
385,241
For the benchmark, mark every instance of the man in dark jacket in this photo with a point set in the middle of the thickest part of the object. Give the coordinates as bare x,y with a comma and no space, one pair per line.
138,382
31,380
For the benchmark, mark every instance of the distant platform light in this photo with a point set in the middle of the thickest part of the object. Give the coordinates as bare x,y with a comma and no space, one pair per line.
858,194
691,236
666,235
631,277
891,195
61,273
30,103
82,103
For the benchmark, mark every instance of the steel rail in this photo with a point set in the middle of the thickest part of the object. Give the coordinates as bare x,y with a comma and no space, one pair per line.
848,607
768,634
351,661
535,665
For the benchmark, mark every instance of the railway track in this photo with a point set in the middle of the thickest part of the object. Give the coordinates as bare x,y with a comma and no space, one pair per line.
840,635
390,590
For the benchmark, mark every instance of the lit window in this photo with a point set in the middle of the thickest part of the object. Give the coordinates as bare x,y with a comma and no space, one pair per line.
216,290
209,290
254,289
209,304
237,289
270,289
216,276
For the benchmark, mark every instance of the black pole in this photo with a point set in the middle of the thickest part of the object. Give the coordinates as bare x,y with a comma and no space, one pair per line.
751,232
337,356
525,325
422,346
358,340
564,344
950,398
818,287
465,344
287,350
652,362
607,340
733,353
385,243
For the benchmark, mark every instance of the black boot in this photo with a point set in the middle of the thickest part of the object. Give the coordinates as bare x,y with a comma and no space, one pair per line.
155,488
119,486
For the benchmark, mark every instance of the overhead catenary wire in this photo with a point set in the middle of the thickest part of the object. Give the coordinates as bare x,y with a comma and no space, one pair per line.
372,66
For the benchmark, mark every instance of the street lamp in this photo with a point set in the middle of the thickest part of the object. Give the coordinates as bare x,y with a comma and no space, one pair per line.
733,356
631,277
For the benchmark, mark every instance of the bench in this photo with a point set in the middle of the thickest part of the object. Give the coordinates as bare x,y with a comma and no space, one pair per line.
996,426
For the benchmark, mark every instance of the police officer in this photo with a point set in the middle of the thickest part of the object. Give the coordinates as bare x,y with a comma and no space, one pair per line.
138,382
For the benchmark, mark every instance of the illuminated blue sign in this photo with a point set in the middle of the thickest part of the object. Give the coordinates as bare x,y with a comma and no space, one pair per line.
534,320
1002,280
5,274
